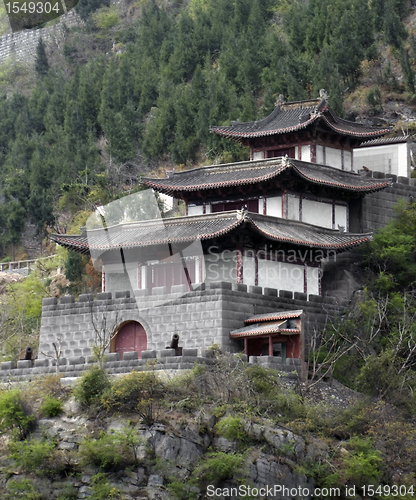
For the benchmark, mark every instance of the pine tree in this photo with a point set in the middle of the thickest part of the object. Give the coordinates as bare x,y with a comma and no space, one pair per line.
41,61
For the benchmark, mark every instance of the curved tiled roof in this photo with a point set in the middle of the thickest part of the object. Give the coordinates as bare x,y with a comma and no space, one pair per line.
256,171
206,227
291,117
384,141
274,316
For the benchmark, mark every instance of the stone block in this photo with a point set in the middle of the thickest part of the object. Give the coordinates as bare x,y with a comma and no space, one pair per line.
159,290
286,294
270,292
239,287
41,362
255,289
300,296
104,296
150,354
62,362
403,180
76,360
198,286
189,352
8,365
23,363
164,353
86,297
122,295
67,299
141,293
220,285
315,298
130,356
179,289
112,356
49,301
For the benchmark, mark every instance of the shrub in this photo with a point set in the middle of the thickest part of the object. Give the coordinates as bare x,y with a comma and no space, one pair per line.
218,466
51,407
22,490
110,451
231,428
102,490
14,414
140,391
34,455
91,386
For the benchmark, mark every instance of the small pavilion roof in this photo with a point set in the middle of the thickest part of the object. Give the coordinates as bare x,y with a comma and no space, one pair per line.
294,116
257,171
383,141
178,230
274,316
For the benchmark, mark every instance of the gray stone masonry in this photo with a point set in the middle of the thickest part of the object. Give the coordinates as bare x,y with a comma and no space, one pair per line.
377,208
201,317
21,46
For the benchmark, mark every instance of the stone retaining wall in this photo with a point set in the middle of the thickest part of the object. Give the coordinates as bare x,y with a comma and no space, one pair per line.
21,46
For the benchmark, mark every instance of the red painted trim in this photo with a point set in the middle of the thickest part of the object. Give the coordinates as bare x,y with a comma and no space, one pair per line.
300,152
103,279
204,208
333,215
300,207
305,278
271,345
139,276
313,153
264,205
319,282
186,208
239,266
246,346
256,269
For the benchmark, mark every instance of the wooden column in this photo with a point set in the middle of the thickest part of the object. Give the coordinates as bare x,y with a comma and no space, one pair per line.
246,346
271,345
240,264
313,152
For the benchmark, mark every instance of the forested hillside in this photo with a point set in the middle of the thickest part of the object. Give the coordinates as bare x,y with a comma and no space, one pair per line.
139,84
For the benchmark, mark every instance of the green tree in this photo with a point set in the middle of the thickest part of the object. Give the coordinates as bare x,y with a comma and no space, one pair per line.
41,60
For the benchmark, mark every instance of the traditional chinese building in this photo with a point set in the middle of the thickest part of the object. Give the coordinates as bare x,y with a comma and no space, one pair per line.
269,227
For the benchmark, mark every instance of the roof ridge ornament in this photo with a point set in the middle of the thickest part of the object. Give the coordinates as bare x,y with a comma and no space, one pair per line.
286,160
280,100
242,214
323,94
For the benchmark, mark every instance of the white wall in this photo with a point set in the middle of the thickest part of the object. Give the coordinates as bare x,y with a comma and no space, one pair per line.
249,271
317,213
306,153
348,162
320,154
195,210
273,206
281,275
221,267
313,280
292,207
341,217
258,155
390,159
333,157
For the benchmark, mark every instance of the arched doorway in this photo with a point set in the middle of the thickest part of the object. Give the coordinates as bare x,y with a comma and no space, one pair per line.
131,337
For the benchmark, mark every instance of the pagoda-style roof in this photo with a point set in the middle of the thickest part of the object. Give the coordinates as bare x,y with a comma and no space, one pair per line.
384,141
266,324
274,316
184,230
295,116
261,171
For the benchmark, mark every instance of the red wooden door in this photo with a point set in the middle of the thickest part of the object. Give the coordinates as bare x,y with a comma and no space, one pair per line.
131,337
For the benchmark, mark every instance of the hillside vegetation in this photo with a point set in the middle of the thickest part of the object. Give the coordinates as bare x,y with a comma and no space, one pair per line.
140,83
